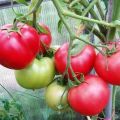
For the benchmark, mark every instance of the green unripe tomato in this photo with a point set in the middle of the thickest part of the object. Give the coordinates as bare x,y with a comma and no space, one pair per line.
37,75
53,95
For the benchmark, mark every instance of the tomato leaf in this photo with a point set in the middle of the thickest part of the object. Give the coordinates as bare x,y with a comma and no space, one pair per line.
78,45
22,2
6,105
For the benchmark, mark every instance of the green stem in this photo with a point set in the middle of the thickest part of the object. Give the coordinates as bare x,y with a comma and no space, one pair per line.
73,3
115,16
85,12
85,3
59,9
61,12
74,76
113,101
34,19
100,9
96,32
35,8
90,6
100,22
96,46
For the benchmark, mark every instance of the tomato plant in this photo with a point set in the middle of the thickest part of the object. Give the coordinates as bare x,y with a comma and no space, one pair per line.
90,97
81,63
37,75
108,67
45,39
103,24
18,49
55,97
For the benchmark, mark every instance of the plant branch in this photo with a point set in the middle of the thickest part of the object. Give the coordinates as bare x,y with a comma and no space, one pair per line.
36,7
90,6
59,9
88,26
85,3
96,32
73,3
100,22
95,46
72,36
34,19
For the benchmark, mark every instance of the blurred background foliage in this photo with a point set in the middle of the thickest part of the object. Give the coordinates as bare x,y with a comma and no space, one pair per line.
28,104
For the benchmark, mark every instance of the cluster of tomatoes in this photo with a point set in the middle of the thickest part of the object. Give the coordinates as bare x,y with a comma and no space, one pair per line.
18,50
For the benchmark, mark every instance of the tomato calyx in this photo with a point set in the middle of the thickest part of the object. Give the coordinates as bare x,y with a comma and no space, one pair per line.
76,81
49,51
111,51
13,28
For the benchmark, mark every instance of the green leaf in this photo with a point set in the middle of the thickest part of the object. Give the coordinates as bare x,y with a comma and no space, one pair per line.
78,45
22,2
6,105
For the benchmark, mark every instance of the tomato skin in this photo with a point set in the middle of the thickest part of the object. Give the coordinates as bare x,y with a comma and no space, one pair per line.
37,75
45,38
17,50
53,95
108,68
81,63
89,98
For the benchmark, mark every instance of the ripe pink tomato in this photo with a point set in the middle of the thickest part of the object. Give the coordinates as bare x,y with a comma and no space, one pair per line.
81,63
45,38
18,49
108,67
90,97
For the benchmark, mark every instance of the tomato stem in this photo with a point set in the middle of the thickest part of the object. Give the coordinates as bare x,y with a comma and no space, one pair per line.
35,8
100,9
34,19
100,22
59,9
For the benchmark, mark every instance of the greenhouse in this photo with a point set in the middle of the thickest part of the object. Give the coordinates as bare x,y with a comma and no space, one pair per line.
59,59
